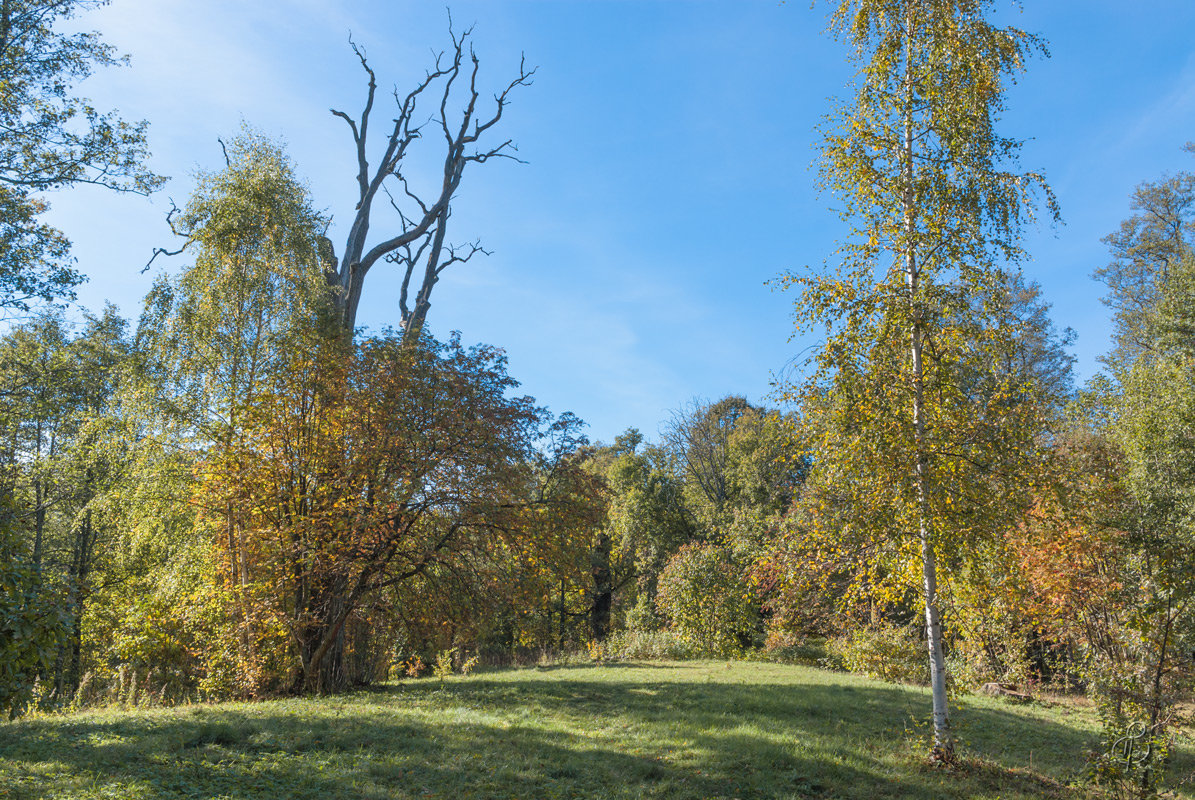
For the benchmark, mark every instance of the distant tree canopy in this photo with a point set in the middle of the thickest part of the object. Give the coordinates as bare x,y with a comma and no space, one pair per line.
53,139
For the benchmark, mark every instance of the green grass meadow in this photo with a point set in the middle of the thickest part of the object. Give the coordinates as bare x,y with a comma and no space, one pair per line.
668,730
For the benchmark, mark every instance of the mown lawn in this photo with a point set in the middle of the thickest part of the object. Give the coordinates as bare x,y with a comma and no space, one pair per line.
676,730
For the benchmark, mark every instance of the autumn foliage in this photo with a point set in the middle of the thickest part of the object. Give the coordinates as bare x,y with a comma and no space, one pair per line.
365,467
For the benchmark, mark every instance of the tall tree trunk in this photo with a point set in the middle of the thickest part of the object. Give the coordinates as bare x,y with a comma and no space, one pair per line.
71,651
39,506
943,739
603,588
322,650
323,653
413,324
943,748
39,522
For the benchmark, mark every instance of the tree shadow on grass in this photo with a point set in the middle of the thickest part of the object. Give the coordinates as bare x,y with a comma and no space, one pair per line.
223,755
528,735
855,730
630,665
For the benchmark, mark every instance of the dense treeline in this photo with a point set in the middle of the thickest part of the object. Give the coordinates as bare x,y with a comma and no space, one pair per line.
238,495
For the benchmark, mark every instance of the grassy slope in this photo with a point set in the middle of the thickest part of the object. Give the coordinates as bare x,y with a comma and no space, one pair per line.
693,730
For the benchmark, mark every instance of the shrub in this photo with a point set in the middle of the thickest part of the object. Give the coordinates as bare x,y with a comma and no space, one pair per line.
641,645
972,662
443,667
642,616
788,648
31,626
884,651
706,600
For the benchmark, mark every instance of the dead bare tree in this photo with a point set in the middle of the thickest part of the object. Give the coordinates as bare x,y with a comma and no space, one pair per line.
418,245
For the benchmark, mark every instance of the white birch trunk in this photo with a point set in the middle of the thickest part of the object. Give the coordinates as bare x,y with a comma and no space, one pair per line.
943,740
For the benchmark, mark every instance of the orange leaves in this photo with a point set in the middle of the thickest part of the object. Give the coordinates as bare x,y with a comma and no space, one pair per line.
1071,558
371,465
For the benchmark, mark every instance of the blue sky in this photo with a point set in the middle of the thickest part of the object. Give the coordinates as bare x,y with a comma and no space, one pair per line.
670,148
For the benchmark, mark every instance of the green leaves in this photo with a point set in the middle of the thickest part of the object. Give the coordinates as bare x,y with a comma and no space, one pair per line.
53,139
31,622
920,420
255,298
706,600
922,408
915,158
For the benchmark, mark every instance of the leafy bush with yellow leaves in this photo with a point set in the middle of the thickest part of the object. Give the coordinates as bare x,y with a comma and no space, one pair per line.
707,602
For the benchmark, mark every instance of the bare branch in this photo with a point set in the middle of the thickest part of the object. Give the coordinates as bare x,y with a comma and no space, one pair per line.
421,224
349,120
452,76
497,152
373,85
407,190
410,259
398,210
523,79
162,251
457,256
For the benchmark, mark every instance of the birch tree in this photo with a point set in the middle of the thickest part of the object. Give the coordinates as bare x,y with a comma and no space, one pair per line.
216,338
914,431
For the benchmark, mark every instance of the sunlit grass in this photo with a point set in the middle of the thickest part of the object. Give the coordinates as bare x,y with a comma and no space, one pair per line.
691,730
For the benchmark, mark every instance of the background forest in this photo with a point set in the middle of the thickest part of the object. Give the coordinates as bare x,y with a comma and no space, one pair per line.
241,492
